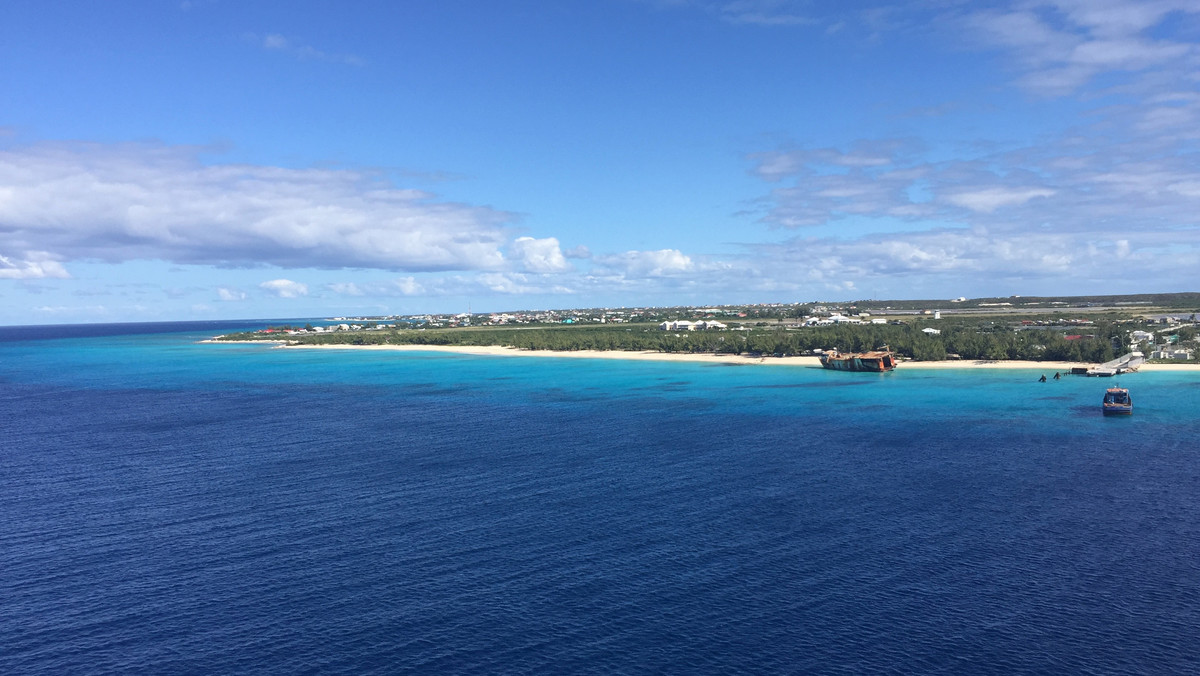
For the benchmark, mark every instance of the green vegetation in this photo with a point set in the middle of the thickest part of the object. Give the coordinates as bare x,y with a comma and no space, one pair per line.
1048,331
968,342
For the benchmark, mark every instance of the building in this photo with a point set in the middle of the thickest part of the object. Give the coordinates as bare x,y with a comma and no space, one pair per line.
678,325
684,325
1171,353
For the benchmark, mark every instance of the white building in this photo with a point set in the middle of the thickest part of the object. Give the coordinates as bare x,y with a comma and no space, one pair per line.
678,325
1171,353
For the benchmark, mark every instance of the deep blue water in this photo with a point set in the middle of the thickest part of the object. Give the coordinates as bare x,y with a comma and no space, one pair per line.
174,507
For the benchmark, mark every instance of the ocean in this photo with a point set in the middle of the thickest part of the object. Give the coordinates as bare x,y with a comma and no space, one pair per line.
168,506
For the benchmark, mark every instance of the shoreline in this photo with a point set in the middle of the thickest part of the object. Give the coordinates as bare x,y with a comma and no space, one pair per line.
807,362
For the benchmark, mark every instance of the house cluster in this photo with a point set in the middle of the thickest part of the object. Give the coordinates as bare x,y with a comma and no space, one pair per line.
332,328
1056,322
1165,348
596,316
838,318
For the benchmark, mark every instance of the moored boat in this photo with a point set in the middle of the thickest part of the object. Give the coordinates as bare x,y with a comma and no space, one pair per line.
874,361
1117,401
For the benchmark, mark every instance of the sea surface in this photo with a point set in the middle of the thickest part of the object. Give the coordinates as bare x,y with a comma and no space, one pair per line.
168,506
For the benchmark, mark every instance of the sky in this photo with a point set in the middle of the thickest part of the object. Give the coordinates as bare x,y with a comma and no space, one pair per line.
212,159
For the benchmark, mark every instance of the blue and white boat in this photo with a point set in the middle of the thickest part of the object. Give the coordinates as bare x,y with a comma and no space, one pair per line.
1117,401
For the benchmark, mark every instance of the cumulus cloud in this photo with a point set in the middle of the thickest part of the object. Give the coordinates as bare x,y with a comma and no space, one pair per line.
144,201
538,255
285,288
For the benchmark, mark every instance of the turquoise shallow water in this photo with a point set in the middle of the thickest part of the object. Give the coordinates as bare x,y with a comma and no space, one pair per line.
178,360
176,506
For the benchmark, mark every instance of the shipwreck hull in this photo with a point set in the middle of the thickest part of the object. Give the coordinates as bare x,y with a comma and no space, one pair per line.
871,362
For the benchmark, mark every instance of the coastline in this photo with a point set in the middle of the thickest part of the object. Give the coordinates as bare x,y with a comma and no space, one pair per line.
807,362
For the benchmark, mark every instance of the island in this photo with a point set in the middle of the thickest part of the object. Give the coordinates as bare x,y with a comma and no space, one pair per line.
1055,333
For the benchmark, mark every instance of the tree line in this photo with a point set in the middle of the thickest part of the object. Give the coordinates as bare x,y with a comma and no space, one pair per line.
966,342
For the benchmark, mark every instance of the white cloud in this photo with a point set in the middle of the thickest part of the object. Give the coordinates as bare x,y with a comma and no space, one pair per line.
989,199
1062,45
506,283
141,201
230,295
408,286
285,288
932,262
538,255
35,265
1089,182
637,264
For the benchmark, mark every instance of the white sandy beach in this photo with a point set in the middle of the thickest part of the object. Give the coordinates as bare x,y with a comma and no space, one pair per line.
811,362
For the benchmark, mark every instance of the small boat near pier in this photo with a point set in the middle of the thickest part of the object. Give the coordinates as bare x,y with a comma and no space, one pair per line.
1117,401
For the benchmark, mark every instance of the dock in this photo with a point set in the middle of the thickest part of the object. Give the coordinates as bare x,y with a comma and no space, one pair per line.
1126,363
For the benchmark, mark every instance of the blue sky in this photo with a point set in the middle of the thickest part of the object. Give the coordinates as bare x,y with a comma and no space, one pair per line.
211,159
